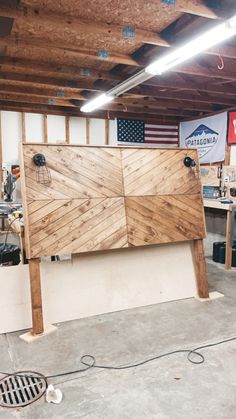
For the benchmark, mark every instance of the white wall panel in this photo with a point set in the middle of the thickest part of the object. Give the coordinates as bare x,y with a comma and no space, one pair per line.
56,128
97,131
11,136
34,127
113,132
77,130
233,155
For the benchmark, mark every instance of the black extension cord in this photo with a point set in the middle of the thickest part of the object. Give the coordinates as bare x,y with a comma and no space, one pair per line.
191,353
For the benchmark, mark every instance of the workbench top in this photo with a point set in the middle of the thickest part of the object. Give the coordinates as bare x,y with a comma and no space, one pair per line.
215,203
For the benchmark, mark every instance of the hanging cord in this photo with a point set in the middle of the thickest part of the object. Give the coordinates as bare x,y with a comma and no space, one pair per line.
222,64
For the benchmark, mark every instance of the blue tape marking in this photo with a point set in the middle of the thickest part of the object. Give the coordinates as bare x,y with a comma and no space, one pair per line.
128,32
169,2
104,55
60,93
51,101
84,72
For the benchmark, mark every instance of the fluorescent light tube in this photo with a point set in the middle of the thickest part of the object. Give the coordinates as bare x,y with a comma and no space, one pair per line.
99,101
130,83
200,44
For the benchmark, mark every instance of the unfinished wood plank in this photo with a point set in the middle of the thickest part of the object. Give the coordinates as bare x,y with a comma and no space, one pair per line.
200,268
67,130
228,249
45,128
36,296
23,127
106,131
159,172
87,130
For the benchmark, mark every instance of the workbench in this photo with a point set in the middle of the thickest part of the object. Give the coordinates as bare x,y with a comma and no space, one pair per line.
216,204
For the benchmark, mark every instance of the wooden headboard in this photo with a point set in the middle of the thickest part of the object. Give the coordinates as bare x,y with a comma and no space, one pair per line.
109,197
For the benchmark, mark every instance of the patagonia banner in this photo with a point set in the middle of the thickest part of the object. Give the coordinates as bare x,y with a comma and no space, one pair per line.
208,135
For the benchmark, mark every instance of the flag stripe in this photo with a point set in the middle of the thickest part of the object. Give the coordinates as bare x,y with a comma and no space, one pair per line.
161,142
159,135
162,126
138,132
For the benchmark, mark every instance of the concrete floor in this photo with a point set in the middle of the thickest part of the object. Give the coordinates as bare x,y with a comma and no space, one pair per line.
152,391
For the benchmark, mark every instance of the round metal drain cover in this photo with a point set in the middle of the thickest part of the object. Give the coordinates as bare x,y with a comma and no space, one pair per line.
22,389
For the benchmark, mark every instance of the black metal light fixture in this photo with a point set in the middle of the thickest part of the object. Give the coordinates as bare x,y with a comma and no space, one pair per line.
43,175
189,162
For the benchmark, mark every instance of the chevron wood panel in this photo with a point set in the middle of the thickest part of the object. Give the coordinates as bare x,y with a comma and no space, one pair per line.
164,219
87,208
77,225
159,172
76,172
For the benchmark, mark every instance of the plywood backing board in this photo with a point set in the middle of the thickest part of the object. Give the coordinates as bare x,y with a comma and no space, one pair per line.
110,197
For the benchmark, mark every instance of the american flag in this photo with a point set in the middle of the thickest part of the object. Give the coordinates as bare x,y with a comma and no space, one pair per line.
136,131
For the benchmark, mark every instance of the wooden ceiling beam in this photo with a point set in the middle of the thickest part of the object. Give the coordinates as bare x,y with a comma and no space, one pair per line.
19,98
71,49
139,103
9,71
196,69
38,91
73,93
53,110
150,91
65,71
39,16
197,8
141,110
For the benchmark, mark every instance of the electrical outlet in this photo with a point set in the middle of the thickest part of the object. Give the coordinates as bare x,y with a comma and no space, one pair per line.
226,179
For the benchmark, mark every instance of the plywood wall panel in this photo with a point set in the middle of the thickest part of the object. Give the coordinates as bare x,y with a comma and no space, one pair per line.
159,172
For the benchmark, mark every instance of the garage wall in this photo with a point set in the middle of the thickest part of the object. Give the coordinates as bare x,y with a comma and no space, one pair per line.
32,129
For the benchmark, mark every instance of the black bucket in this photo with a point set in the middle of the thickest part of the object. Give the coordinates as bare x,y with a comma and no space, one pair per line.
9,254
222,254
234,258
216,251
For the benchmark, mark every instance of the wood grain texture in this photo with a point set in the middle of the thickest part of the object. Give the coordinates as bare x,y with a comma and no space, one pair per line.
159,172
164,219
108,197
36,296
77,172
77,225
199,262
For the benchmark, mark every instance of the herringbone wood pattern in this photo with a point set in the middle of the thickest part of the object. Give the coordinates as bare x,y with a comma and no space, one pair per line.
164,219
159,172
77,225
87,207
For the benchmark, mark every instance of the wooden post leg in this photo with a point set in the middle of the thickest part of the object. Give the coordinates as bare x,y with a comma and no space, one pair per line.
36,297
228,250
200,268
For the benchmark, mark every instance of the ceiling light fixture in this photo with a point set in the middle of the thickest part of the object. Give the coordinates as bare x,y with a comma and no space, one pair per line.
192,48
96,103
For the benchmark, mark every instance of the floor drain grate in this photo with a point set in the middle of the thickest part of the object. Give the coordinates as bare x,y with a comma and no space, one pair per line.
22,389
